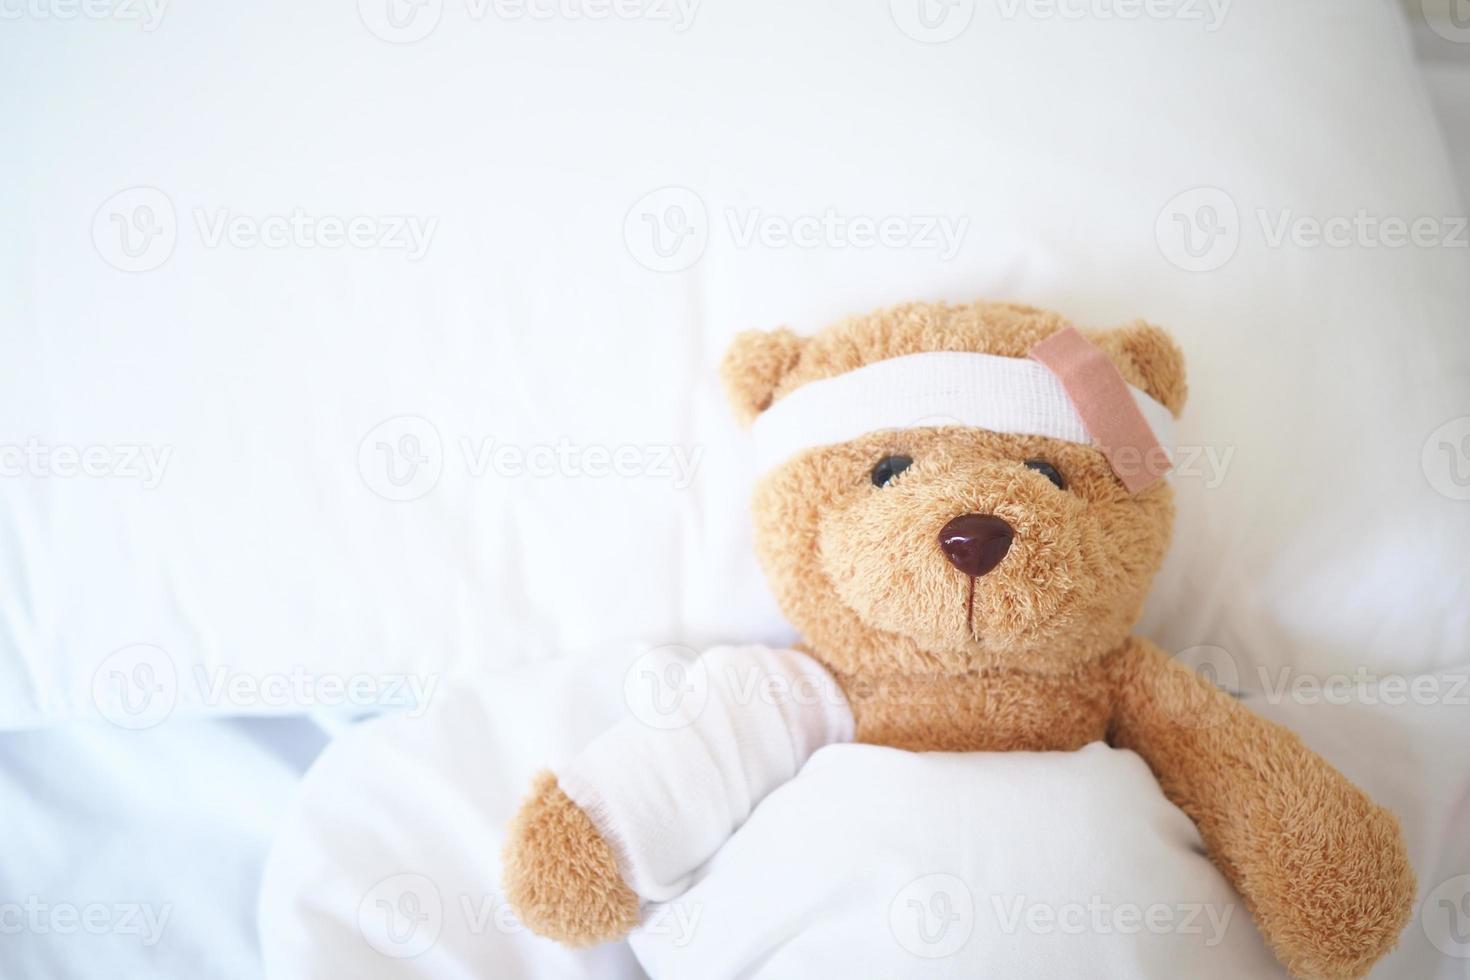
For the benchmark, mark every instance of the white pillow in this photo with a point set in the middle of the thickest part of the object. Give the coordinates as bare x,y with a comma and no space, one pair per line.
276,565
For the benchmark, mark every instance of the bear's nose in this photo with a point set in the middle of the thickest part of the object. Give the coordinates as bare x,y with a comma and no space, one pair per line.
975,543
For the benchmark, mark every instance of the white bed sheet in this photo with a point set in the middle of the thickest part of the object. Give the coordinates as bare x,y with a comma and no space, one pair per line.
134,854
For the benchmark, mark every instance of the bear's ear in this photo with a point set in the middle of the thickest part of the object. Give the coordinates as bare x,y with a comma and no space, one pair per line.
1156,360
754,366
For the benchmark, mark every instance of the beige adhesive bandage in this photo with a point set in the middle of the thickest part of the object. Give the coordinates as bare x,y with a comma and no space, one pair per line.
1108,410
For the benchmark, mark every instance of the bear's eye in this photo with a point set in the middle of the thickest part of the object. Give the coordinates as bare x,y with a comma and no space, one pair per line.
1047,470
888,467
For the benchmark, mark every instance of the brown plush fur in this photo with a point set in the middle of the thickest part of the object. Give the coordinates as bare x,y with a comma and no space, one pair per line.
1039,659
560,875
1321,868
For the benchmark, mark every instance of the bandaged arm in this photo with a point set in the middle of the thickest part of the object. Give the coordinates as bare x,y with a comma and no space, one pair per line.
667,792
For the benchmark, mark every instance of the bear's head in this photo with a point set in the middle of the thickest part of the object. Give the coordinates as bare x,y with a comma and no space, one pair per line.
935,547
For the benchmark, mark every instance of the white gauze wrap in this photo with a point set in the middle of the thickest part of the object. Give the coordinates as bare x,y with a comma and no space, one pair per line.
666,796
1009,395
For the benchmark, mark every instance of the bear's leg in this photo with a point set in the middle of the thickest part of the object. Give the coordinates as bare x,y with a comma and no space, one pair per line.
1323,869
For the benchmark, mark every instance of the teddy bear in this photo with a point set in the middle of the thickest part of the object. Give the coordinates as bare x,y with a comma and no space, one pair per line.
960,511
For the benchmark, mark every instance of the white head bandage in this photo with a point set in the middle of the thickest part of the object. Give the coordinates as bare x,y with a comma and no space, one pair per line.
1009,395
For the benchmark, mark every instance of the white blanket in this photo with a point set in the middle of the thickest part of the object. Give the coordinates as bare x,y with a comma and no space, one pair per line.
879,863
872,862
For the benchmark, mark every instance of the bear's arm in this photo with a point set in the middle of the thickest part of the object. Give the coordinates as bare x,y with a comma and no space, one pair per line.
632,817
1323,870
560,876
